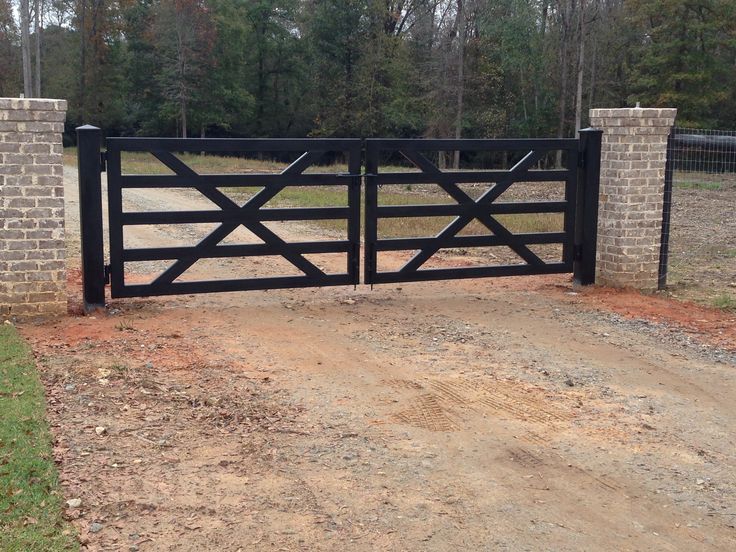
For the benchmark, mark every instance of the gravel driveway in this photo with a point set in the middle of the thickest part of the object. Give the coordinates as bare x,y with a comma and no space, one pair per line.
497,414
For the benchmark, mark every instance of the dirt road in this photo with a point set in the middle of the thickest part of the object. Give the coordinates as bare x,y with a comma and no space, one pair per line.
500,414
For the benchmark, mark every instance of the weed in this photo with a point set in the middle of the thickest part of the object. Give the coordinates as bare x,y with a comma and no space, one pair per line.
125,325
119,370
725,301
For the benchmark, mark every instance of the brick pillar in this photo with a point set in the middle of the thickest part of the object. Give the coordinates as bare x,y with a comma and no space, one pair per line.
32,248
633,155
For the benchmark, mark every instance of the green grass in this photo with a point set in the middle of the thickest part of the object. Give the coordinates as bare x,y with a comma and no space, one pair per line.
30,499
696,185
326,196
133,162
725,301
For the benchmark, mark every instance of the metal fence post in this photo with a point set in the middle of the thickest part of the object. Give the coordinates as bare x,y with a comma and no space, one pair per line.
89,141
586,219
664,249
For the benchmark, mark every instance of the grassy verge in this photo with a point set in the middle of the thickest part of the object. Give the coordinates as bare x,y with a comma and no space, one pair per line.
30,501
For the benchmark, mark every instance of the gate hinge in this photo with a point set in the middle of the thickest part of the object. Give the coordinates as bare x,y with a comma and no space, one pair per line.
107,274
577,252
103,161
581,159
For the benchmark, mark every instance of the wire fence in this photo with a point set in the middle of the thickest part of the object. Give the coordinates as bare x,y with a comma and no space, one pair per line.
699,223
702,156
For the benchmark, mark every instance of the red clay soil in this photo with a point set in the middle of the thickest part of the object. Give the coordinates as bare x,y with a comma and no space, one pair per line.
708,325
713,326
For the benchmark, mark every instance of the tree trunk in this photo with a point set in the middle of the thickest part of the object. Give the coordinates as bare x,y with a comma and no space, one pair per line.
563,90
460,77
38,48
562,108
25,39
183,108
591,94
581,67
82,62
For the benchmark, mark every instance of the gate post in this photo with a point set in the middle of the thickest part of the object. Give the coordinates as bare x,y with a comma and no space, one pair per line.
632,184
371,204
586,208
664,250
89,141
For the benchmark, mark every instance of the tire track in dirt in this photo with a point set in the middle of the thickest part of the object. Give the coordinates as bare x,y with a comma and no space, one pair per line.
427,412
549,464
460,399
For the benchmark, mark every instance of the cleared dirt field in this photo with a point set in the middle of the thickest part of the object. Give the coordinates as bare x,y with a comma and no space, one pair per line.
502,414
703,239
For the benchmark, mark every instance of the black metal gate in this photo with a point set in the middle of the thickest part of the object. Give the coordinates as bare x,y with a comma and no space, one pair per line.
579,209
230,215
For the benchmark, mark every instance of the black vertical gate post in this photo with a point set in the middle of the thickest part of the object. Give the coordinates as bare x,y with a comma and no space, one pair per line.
586,219
664,248
354,165
89,141
371,205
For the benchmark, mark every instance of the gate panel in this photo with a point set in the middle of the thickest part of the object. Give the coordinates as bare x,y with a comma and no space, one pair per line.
231,215
465,209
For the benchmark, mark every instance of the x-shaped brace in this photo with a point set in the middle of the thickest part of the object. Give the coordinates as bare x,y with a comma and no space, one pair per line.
227,228
447,183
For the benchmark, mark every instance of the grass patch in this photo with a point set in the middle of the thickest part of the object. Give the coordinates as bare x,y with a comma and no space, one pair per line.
324,196
725,302
30,499
141,162
696,185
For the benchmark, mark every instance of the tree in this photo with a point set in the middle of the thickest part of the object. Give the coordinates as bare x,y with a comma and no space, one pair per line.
435,68
686,58
9,59
37,17
25,44
100,91
183,36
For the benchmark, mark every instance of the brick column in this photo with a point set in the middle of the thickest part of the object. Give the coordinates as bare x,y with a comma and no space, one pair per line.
32,248
633,155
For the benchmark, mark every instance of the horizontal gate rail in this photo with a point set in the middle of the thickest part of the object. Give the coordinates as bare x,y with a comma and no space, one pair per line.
250,215
247,250
231,180
466,209
234,215
234,145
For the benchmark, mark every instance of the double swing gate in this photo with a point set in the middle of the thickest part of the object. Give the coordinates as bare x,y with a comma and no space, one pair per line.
532,160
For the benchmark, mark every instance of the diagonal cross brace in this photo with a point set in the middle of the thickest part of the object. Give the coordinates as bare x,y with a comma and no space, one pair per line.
451,230
225,229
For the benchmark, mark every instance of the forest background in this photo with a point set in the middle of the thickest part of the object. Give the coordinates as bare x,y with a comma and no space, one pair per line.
363,68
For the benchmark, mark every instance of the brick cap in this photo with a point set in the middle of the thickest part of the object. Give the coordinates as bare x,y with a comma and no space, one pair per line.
636,112
32,104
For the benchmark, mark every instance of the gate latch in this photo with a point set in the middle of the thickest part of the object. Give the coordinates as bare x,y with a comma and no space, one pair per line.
103,161
107,274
